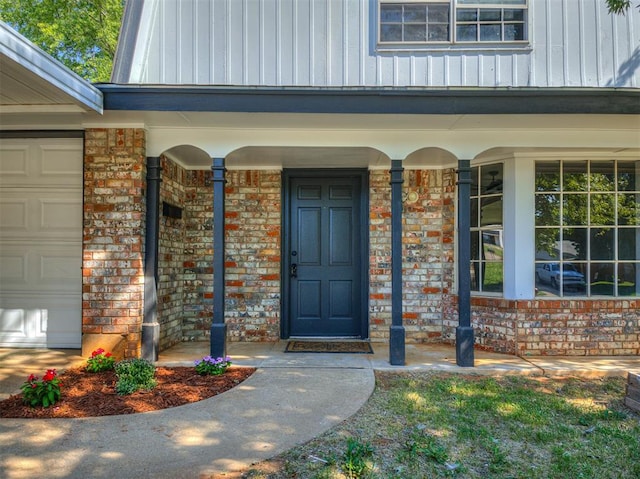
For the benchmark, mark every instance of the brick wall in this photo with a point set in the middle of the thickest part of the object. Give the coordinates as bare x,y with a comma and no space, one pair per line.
253,219
113,232
198,256
171,255
581,327
428,252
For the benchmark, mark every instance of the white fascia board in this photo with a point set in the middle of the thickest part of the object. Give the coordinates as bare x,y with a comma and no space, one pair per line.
17,48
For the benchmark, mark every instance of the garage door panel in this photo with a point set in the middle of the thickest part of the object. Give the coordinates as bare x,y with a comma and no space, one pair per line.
14,217
52,268
60,215
49,163
14,165
53,215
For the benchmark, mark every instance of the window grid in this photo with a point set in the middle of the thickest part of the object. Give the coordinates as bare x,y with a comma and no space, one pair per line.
487,266
586,264
432,22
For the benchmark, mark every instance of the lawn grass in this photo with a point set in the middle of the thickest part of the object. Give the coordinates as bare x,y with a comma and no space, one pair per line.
424,425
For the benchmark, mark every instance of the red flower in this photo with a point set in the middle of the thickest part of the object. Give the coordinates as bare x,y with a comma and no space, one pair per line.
33,386
51,373
97,352
32,377
108,355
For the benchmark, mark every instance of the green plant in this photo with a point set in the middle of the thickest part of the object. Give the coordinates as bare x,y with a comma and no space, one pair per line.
100,360
133,375
44,392
355,461
426,445
211,366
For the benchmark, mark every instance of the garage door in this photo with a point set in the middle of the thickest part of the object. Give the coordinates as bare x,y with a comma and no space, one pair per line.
41,243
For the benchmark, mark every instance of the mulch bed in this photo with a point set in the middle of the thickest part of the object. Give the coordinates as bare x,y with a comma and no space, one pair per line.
87,394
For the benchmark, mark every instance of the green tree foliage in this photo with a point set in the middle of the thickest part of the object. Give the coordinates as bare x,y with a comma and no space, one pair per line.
82,34
619,6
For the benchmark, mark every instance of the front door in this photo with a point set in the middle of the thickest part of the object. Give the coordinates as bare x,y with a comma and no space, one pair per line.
325,250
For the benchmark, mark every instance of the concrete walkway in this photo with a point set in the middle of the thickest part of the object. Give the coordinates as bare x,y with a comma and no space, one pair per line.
291,399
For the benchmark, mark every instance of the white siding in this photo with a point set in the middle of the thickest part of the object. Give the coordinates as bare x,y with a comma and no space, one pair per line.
574,43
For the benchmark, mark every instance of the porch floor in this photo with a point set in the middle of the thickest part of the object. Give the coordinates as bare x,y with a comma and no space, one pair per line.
432,356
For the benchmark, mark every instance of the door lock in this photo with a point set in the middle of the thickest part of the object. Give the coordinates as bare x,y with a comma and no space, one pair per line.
293,270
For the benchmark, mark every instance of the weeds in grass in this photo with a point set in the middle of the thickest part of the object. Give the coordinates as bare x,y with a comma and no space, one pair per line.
356,459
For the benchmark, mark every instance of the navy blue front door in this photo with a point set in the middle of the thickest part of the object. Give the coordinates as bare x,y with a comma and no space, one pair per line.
326,250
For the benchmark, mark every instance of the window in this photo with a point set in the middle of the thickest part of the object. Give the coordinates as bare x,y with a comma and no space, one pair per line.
430,21
486,228
587,234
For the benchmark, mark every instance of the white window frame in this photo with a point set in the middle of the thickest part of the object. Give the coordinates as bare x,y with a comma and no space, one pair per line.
454,6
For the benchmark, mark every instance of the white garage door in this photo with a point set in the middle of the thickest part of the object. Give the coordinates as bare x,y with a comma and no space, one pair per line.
41,243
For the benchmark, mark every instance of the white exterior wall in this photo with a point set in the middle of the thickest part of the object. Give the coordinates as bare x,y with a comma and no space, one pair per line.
331,43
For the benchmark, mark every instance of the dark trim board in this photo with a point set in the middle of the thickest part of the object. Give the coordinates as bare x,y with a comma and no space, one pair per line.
30,134
287,175
445,101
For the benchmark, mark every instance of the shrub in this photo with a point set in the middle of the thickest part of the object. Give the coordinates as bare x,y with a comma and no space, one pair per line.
209,365
43,392
133,375
100,360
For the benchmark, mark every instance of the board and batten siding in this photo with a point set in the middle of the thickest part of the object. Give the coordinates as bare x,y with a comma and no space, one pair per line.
333,43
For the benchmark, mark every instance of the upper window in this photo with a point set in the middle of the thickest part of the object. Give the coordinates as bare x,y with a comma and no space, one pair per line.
473,21
587,233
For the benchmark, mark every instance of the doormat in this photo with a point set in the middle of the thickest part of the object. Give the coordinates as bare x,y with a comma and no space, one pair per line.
349,347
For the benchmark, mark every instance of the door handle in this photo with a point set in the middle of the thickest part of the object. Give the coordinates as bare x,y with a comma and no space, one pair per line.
293,270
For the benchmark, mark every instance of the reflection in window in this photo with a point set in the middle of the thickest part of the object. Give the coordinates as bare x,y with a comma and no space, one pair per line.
587,234
486,228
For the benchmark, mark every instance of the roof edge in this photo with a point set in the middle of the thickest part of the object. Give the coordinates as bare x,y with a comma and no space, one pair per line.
19,49
372,100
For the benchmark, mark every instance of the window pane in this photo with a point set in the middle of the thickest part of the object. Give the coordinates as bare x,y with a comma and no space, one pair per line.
491,211
491,181
474,212
438,13
602,243
466,33
547,210
415,33
492,277
602,279
516,14
390,13
548,276
629,244
475,245
467,15
548,176
475,276
513,32
603,209
629,176
575,176
574,210
547,243
391,33
603,176
574,244
628,279
573,279
629,209
490,33
415,13
490,15
492,245
438,33
474,180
